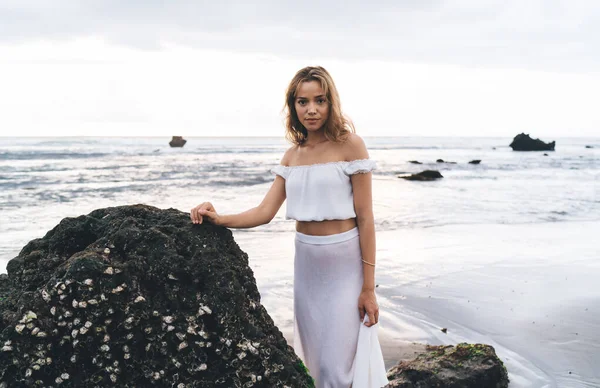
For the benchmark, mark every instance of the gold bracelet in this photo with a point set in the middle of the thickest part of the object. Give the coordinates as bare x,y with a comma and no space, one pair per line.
366,262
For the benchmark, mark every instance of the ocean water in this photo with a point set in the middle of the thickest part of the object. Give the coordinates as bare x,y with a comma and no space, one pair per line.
489,244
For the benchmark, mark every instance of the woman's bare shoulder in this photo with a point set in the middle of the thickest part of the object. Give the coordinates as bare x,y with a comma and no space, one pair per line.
288,155
355,148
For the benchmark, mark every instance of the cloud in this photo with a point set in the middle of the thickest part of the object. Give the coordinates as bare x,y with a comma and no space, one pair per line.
534,34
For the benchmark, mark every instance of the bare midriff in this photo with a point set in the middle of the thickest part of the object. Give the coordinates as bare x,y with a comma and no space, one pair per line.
325,228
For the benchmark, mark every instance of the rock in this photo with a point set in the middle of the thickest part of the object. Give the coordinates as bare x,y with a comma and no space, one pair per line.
440,161
475,161
589,146
177,141
4,286
414,162
463,365
427,175
138,296
522,142
545,154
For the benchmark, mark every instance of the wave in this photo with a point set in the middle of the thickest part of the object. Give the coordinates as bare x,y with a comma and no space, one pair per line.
36,155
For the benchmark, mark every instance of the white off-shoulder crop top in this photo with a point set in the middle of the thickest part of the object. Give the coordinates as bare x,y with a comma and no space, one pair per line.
323,191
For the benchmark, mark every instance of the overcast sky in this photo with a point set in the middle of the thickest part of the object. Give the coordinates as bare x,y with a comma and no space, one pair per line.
197,68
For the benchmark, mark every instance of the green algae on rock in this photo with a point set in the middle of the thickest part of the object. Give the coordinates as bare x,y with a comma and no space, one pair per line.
136,296
461,366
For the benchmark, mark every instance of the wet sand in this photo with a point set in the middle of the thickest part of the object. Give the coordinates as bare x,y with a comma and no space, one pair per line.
529,290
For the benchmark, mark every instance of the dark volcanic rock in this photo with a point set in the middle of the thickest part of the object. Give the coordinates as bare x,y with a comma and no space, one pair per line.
427,175
135,296
4,286
443,161
522,142
463,366
589,146
414,162
475,161
177,141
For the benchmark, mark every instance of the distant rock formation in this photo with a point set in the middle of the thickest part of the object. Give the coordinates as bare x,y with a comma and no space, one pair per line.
522,142
475,161
177,141
427,175
443,161
589,146
463,365
138,296
414,162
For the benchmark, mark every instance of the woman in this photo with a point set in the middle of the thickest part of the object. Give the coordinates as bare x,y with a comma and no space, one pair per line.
326,178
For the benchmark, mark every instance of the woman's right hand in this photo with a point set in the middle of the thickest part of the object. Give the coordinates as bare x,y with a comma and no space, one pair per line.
204,211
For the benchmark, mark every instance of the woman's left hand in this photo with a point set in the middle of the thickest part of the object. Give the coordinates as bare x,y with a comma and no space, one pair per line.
367,303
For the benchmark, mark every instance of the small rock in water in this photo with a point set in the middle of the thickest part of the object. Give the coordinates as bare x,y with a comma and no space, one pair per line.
523,142
427,175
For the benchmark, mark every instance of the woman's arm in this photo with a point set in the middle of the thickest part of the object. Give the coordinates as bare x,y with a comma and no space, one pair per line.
260,215
361,185
363,206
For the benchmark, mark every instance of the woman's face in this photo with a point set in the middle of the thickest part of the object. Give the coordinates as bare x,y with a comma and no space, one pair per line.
311,105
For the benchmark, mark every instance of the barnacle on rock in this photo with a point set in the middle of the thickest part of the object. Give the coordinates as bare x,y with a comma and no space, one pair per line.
46,296
28,317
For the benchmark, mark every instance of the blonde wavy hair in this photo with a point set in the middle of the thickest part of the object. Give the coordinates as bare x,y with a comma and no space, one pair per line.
337,126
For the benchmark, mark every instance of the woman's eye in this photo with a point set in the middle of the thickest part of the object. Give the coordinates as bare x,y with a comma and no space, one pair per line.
301,103
321,100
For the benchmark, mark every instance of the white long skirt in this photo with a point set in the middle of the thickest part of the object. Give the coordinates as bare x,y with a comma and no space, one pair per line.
336,347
